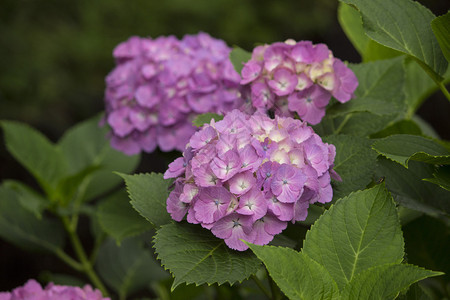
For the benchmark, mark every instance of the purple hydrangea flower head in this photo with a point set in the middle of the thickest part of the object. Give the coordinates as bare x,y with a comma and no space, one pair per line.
247,176
297,77
159,85
32,290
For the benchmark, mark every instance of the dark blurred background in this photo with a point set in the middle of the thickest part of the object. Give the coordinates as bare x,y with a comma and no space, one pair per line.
54,55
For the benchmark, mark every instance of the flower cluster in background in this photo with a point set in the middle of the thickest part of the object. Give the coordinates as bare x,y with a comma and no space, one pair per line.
246,176
297,77
32,290
159,85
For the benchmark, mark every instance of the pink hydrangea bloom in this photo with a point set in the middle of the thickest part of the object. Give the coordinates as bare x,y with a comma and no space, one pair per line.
247,176
159,85
32,290
297,77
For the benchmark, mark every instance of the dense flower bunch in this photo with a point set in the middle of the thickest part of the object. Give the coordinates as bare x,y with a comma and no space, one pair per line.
297,77
32,290
159,85
246,176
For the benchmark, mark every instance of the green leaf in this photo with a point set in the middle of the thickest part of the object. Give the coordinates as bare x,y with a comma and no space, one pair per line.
36,153
239,57
118,219
85,145
202,119
401,127
27,197
380,89
297,275
385,281
355,162
148,194
409,190
441,177
128,268
194,255
350,21
441,29
20,227
358,232
403,25
403,147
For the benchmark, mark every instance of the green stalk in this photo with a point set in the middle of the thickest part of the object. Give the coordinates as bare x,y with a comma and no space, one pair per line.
444,90
262,287
68,260
81,254
276,295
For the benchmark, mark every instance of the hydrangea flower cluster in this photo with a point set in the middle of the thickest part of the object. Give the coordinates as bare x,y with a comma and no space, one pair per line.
246,176
32,290
160,85
297,77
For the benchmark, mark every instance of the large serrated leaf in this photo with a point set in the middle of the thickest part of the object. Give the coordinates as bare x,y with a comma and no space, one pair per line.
354,162
385,281
441,29
409,190
238,57
404,147
297,275
403,25
358,232
148,194
118,219
128,268
85,145
350,21
21,227
380,89
36,153
194,255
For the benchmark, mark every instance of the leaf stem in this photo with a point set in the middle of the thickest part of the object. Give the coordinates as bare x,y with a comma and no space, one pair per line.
276,295
68,260
261,286
79,250
347,117
444,90
98,242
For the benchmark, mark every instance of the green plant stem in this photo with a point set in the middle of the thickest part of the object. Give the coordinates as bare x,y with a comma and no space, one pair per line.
98,242
444,90
276,295
81,254
347,117
68,260
262,287
78,201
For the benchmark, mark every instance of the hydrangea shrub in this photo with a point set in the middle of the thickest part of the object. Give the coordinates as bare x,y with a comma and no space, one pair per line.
247,176
159,85
297,77
32,290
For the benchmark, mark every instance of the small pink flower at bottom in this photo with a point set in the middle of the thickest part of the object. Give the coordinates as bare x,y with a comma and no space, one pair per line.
32,290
